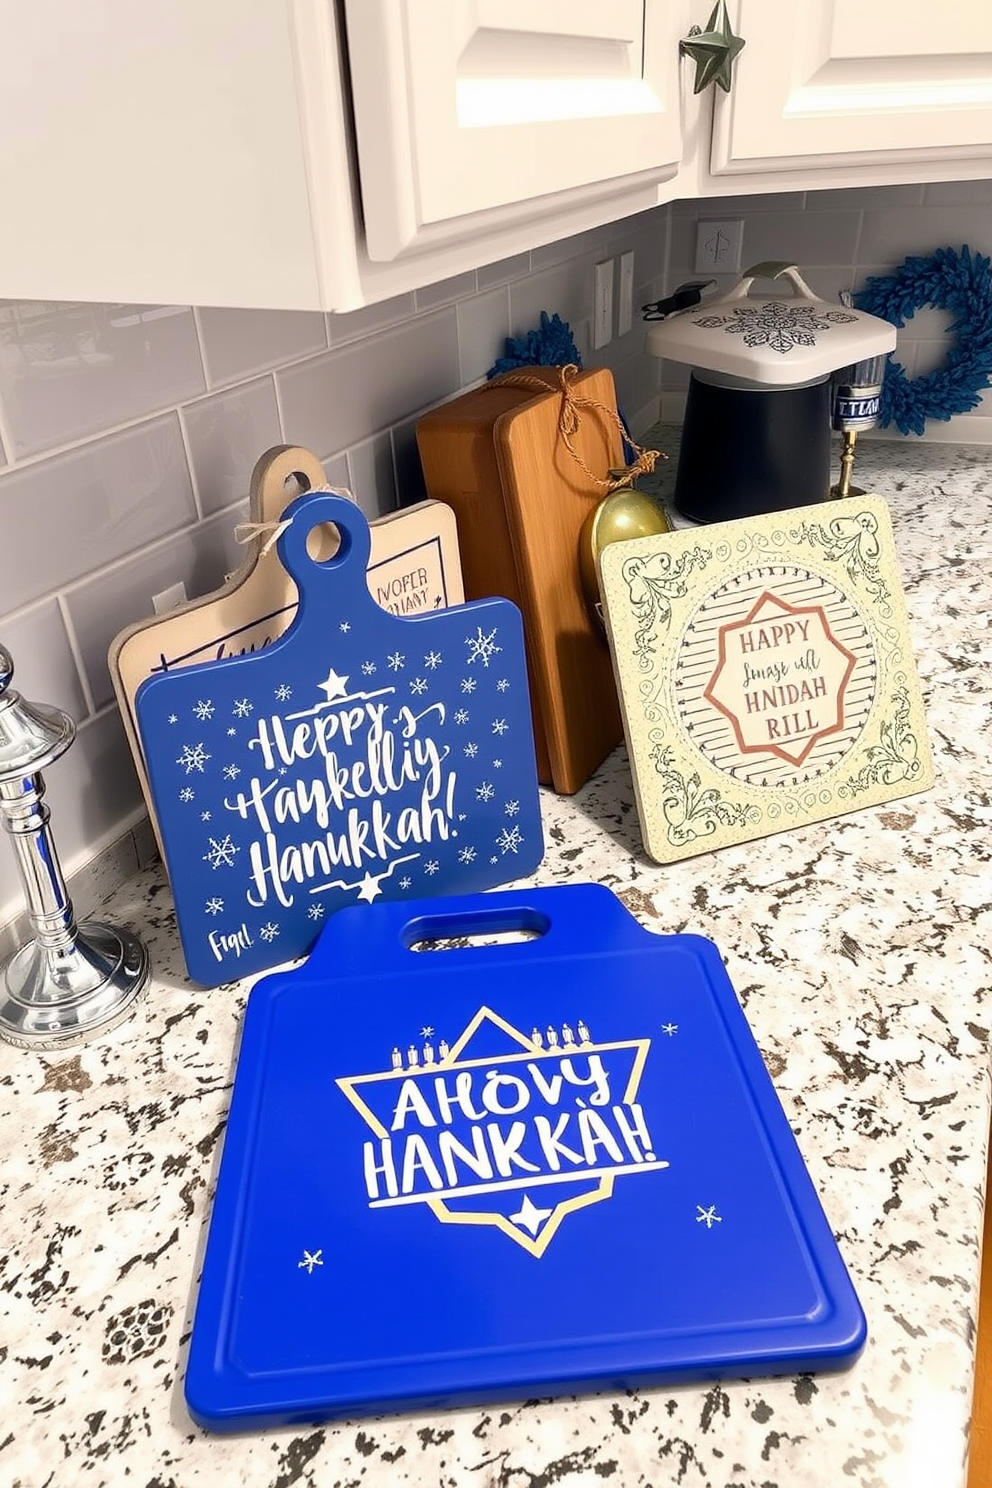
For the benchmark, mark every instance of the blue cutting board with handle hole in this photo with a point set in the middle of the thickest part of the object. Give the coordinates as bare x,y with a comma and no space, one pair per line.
361,756
504,1170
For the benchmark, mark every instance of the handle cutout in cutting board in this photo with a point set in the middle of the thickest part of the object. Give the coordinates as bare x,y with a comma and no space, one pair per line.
474,929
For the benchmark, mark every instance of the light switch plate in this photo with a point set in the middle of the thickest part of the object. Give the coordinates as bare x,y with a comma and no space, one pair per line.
602,317
625,302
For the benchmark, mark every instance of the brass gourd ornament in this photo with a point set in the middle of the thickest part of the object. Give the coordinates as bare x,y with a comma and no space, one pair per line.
624,514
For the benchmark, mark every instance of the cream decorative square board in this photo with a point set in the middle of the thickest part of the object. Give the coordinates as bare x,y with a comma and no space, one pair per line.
766,674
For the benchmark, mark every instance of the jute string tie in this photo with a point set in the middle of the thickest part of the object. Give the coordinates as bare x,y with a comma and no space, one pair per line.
246,532
568,423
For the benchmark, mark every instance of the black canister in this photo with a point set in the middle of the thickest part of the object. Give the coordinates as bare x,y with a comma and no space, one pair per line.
748,449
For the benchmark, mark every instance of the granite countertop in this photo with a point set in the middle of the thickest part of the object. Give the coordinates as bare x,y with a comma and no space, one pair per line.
859,949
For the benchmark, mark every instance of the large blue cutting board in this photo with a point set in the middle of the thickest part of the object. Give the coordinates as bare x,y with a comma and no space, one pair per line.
359,757
504,1171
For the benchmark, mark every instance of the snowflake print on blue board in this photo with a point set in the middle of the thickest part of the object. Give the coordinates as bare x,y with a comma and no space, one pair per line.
360,757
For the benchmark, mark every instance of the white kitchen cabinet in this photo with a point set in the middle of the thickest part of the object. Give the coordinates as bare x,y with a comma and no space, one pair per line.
324,154
848,92
473,110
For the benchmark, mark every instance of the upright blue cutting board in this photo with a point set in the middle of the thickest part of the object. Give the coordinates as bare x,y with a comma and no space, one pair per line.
502,1171
361,756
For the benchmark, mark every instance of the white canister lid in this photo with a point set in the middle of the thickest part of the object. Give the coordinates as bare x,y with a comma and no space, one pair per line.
776,340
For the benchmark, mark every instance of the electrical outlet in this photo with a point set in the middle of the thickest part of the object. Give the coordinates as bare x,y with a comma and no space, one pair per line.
602,316
718,246
169,599
625,301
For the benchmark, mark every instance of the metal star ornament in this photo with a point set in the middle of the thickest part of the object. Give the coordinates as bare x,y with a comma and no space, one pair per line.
713,50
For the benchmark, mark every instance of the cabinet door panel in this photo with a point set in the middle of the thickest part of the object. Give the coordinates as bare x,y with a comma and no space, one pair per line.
465,108
828,82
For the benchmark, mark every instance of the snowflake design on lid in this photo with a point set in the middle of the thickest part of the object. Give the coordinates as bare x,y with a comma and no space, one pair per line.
222,852
368,667
461,716
482,647
231,772
269,932
214,905
283,693
187,793
432,659
242,708
418,686
500,726
193,757
779,325
509,840
396,661
485,791
204,710
470,751
468,684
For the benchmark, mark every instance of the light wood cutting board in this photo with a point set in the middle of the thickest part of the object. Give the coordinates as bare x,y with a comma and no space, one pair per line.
414,568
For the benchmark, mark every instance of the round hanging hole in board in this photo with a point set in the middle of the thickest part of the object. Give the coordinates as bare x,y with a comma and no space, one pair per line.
326,542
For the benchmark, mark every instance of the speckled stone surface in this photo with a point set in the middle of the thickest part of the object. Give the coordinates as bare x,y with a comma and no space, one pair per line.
860,950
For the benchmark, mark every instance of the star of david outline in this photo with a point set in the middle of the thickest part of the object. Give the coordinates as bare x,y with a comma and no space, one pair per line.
537,1243
790,755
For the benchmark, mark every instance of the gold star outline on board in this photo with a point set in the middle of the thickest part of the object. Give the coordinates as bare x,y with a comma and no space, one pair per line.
713,50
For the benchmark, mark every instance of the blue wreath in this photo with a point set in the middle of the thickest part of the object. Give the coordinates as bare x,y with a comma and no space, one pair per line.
948,280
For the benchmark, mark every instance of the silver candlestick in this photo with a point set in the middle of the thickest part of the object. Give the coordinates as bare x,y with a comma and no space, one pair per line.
71,981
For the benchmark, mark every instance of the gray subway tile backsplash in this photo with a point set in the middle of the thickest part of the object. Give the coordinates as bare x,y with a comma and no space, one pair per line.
79,511
483,326
89,533
69,370
240,343
226,433
341,398
44,668
370,318
99,609
373,483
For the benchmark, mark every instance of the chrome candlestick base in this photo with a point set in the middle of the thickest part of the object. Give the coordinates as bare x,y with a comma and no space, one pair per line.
69,981
52,997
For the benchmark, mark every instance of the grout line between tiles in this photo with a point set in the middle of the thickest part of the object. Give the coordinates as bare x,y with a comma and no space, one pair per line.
198,328
72,446
6,437
279,413
857,244
77,655
143,552
190,466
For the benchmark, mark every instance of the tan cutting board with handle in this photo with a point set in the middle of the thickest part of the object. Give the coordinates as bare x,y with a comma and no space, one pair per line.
414,566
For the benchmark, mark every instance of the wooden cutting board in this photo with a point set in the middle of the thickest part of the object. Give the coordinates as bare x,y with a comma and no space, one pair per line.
413,568
496,457
360,756
548,496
